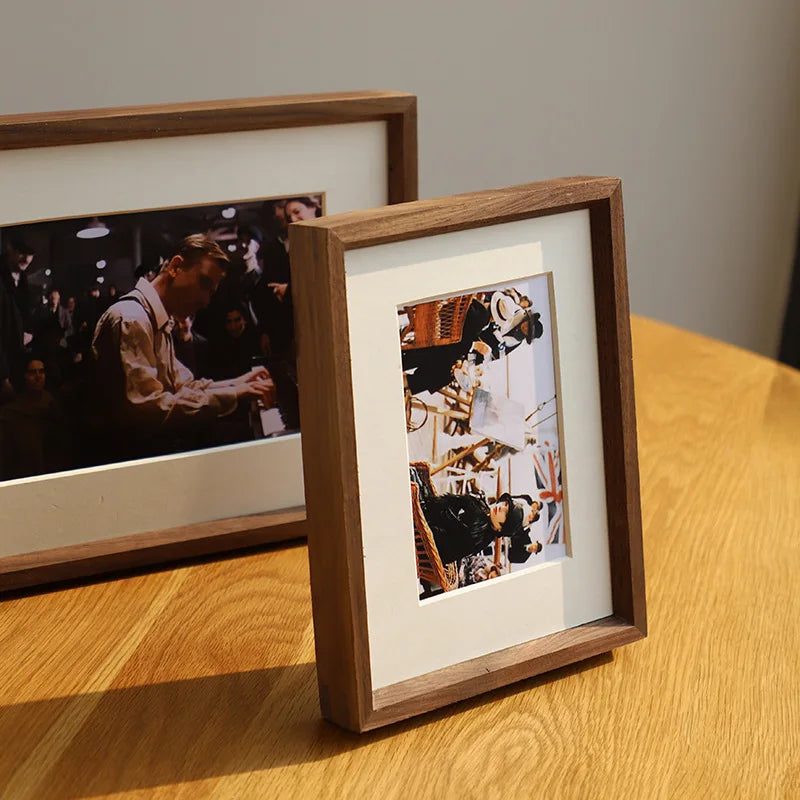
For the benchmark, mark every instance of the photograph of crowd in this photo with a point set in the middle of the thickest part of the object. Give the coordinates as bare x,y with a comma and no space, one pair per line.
485,474
125,336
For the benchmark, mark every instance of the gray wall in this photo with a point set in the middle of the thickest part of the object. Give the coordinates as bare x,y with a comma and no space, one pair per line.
694,103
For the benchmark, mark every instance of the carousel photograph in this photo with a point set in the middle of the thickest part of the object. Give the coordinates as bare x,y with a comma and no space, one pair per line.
485,467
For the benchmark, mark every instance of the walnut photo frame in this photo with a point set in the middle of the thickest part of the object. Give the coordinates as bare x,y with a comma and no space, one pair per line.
139,175
470,451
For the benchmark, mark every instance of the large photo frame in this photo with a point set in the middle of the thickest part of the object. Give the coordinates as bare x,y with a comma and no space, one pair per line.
219,175
473,492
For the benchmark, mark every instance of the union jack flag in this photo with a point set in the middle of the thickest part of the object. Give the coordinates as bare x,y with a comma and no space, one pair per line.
547,465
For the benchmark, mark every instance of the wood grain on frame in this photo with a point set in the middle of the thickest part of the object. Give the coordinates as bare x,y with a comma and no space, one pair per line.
615,362
338,587
145,549
329,466
459,681
460,212
91,126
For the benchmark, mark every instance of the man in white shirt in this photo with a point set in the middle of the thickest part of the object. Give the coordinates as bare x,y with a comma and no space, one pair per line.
145,392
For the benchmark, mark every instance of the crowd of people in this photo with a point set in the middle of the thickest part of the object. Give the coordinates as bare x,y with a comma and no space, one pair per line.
182,360
465,528
495,324
481,532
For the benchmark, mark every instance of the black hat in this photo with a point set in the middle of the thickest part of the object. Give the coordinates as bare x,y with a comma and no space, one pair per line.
18,243
515,519
530,326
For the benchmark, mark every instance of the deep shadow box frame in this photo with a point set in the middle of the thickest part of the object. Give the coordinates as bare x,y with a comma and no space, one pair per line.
27,131
330,461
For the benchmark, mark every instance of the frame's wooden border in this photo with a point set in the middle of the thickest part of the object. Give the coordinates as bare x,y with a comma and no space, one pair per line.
329,449
28,131
90,126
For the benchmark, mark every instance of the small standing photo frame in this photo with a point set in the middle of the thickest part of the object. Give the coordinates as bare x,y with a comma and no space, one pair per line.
144,279
469,445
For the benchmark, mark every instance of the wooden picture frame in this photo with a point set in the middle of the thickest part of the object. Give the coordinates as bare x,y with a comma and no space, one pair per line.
341,490
26,136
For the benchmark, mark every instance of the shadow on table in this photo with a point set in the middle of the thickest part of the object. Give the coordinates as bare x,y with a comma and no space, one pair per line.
140,737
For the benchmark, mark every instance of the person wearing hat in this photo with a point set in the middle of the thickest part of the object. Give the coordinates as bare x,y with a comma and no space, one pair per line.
15,307
489,332
514,321
465,524
17,257
521,549
525,512
433,366
248,243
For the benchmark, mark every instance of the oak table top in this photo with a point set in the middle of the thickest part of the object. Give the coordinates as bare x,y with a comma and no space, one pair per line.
198,682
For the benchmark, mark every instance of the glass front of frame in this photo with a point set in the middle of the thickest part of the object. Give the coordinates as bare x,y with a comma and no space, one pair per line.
484,448
127,336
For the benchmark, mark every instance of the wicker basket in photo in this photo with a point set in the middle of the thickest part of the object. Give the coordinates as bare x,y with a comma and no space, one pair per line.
429,564
435,323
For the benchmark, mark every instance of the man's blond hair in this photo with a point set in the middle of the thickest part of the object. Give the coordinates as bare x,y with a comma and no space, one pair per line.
196,246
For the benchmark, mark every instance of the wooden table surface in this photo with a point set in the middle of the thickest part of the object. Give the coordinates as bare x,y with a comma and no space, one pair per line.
198,682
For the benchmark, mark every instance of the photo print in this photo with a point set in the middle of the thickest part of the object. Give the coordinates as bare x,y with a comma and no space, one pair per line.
479,375
126,336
